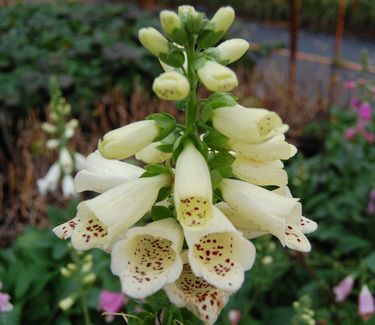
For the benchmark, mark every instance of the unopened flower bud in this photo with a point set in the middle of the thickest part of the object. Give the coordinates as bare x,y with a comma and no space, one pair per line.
232,50
66,161
71,266
69,132
48,128
67,303
171,86
52,144
73,123
87,266
65,272
223,19
124,142
192,19
267,260
170,21
153,40
89,279
216,77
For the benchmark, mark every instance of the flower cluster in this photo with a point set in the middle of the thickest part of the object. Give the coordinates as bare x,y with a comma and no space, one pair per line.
5,305
204,182
362,106
62,131
366,302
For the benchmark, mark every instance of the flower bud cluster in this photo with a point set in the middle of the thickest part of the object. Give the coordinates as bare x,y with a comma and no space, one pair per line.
204,182
62,131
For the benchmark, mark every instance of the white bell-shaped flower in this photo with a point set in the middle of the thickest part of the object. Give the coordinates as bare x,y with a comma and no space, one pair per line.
203,299
153,41
219,253
79,161
258,210
50,181
272,149
223,19
192,188
104,218
124,142
260,172
217,77
250,125
68,186
171,85
100,174
148,258
151,155
66,161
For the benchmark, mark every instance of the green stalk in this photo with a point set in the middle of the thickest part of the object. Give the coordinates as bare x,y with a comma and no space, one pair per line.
191,108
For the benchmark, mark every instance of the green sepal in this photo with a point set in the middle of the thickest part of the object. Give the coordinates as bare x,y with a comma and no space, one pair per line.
215,140
216,178
212,53
220,159
179,36
206,113
193,23
159,212
166,123
175,57
164,193
200,145
209,38
178,146
155,169
218,100
167,143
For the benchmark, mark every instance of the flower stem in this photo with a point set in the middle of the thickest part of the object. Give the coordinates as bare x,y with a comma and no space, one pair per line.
192,99
84,307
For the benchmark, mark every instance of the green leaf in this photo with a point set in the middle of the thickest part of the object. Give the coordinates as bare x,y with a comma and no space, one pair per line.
221,159
179,36
155,169
163,193
175,57
216,178
209,38
370,262
167,143
159,212
165,121
215,139
206,113
218,100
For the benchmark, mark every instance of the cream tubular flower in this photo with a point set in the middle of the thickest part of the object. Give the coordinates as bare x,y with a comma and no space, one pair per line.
79,161
153,41
124,142
232,50
192,188
50,181
170,21
223,19
217,77
102,219
250,125
203,299
272,149
219,253
260,173
148,258
151,155
264,211
171,85
66,161
306,225
100,174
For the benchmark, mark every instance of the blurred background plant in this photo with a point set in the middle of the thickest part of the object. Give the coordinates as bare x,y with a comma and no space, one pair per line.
103,72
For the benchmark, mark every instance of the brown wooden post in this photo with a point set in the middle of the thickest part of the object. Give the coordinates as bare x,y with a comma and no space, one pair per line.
340,22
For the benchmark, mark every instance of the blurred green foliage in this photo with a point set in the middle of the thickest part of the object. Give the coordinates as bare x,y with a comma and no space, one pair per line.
91,48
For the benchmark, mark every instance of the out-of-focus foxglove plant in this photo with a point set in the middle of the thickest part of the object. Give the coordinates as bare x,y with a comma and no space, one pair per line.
183,222
61,129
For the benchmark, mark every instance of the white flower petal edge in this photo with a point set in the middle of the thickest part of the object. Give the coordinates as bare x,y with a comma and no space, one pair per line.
203,299
272,149
68,186
151,155
148,258
219,253
79,161
249,125
265,211
192,188
306,225
102,174
260,173
50,181
101,220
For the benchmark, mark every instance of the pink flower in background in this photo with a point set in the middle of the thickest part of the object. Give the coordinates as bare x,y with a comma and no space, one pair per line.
5,304
369,137
371,207
366,305
364,112
354,103
372,195
111,302
350,133
343,289
234,316
349,84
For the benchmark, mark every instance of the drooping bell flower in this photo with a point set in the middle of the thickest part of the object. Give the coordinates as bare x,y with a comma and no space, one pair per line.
366,304
344,288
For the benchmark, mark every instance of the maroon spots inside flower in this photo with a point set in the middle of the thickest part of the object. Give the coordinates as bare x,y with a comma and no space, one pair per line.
194,211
